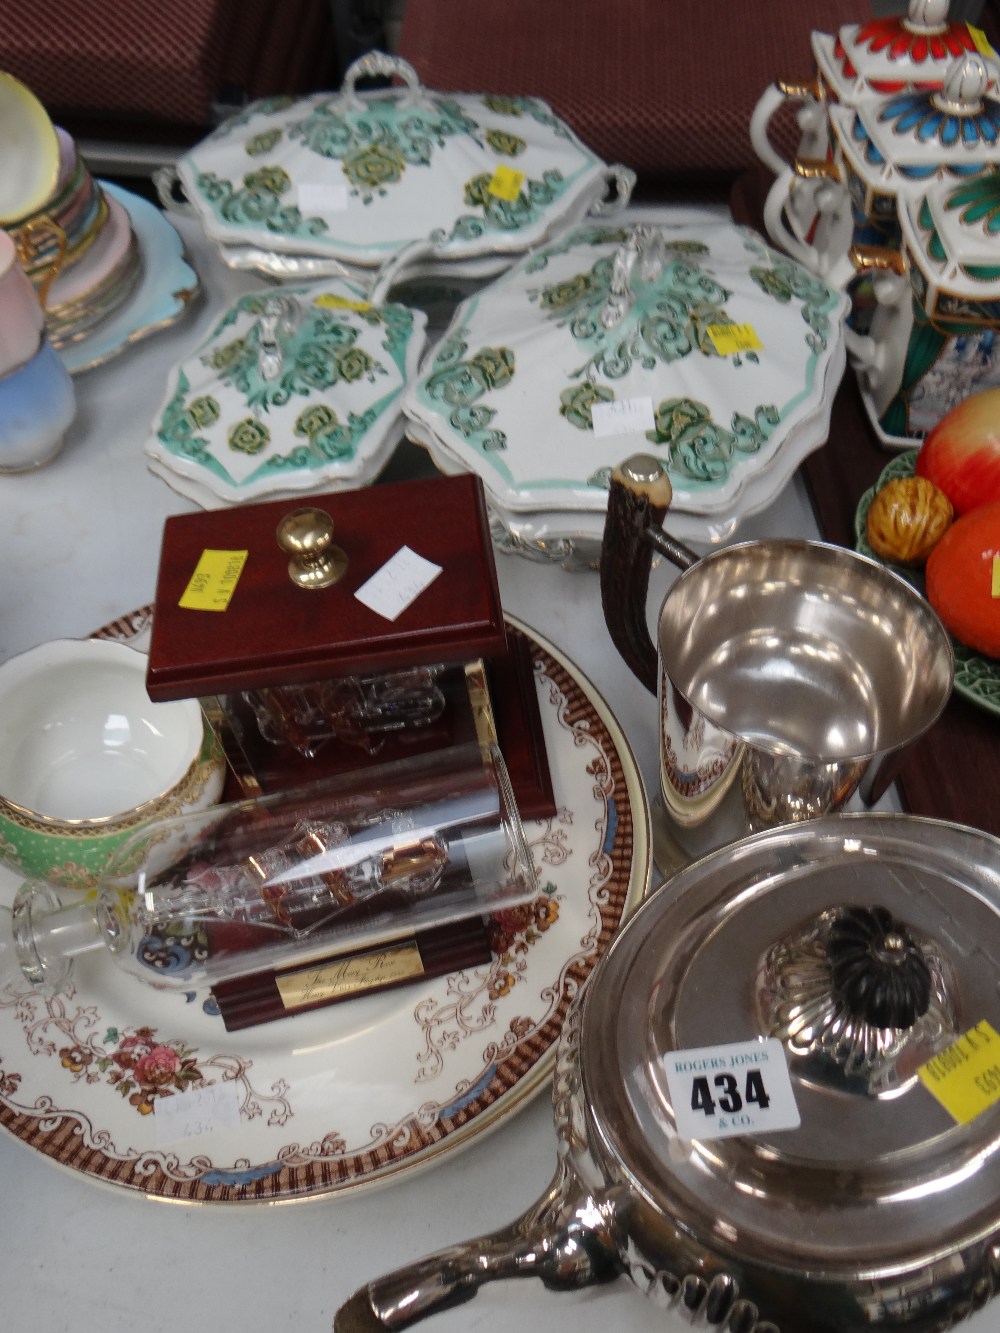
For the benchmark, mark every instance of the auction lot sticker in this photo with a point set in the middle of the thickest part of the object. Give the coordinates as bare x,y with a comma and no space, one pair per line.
740,1088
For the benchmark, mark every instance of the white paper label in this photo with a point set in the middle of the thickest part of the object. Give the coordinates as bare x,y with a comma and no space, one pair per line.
400,581
319,199
721,1091
203,1110
625,416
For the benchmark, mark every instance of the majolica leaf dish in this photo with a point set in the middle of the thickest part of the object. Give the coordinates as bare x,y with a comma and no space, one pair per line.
353,177
716,351
292,389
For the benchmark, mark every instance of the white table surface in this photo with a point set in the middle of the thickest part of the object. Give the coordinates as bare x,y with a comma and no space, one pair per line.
79,545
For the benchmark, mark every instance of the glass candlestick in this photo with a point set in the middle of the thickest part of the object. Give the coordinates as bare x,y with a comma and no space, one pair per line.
279,881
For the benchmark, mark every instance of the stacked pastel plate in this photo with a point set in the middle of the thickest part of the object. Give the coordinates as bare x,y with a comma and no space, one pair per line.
108,268
295,389
79,250
698,344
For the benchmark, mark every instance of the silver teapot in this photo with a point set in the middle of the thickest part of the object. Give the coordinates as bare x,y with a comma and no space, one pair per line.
849,964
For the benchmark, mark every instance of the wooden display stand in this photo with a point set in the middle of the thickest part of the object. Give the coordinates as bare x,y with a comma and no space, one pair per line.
238,608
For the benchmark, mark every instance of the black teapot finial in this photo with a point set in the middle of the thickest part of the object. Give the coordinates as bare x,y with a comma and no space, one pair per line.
878,972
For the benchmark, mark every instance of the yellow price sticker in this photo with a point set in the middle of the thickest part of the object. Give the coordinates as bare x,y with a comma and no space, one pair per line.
506,183
330,302
211,586
996,576
965,1076
980,41
728,339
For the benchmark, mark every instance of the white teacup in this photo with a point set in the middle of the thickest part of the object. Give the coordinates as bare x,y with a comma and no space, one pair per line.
87,759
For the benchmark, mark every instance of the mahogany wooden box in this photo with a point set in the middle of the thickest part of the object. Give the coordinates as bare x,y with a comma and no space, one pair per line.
273,632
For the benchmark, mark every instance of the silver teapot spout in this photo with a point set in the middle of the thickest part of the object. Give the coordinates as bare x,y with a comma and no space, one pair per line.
567,1239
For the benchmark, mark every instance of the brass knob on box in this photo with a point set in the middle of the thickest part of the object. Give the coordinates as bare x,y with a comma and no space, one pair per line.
307,536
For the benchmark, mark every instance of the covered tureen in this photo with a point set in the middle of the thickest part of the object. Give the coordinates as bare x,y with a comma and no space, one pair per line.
301,187
295,389
695,340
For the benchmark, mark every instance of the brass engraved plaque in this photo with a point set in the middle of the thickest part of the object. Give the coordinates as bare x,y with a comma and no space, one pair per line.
350,976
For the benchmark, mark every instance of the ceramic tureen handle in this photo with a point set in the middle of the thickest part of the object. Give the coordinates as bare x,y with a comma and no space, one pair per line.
807,213
170,192
638,499
378,65
554,1241
396,269
614,191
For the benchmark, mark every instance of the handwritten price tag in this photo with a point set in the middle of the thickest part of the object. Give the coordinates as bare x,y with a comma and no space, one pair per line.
506,183
214,581
400,581
626,416
330,198
728,339
718,1092
965,1076
196,1111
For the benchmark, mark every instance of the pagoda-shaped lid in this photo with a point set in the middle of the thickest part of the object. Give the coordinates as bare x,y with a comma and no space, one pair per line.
952,234
914,135
895,52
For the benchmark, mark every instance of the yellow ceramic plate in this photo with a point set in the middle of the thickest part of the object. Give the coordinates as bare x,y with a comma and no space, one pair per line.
29,152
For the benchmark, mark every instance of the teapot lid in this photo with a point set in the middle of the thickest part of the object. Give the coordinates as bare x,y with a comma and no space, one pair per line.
796,997
954,128
950,239
890,53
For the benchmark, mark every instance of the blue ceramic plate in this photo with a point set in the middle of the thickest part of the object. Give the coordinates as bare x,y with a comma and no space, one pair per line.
166,289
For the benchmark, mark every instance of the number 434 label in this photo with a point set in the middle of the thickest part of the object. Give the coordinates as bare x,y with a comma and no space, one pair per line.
741,1088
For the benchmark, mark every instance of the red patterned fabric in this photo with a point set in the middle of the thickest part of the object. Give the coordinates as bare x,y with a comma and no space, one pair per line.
163,61
665,86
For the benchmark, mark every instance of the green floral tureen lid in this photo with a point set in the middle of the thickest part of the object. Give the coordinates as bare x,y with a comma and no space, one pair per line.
294,389
355,176
699,344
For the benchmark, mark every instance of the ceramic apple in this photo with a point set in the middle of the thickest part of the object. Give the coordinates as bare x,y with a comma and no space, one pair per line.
961,454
